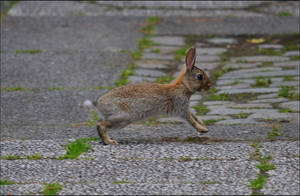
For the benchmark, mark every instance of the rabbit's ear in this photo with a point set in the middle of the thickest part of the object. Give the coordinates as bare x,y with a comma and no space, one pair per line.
190,58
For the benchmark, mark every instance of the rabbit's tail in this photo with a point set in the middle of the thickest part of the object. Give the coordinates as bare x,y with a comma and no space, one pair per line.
92,106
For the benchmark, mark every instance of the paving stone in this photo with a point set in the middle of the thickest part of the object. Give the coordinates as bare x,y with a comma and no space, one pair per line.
285,83
163,49
138,79
169,40
206,66
261,69
261,58
230,81
253,74
237,121
157,56
287,64
214,117
236,86
222,40
274,100
223,110
282,180
148,73
248,105
241,65
22,189
206,58
210,51
249,90
270,46
196,97
276,116
218,103
153,66
23,148
292,53
292,105
193,103
271,95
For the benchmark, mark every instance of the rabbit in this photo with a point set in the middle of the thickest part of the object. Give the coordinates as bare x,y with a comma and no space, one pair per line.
135,102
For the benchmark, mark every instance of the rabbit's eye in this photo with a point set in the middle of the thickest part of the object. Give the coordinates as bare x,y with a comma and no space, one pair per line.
199,76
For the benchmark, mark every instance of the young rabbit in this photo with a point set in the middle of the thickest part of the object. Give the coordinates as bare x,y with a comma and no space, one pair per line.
134,102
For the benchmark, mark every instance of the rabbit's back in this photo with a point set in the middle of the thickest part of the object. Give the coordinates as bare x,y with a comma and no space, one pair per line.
143,100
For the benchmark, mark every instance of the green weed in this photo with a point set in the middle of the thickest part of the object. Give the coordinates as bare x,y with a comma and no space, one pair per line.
261,81
285,91
266,63
285,110
241,115
11,157
155,50
258,182
212,121
145,42
29,51
270,52
265,166
6,182
201,109
164,79
218,97
181,52
77,147
52,189
274,133
284,14
122,182
136,55
294,58
94,118
34,157
288,78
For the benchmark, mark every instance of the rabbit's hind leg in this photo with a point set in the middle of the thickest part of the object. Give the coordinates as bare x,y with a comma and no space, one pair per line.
101,129
197,119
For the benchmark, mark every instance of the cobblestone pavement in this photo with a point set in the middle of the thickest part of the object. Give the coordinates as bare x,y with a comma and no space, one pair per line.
56,55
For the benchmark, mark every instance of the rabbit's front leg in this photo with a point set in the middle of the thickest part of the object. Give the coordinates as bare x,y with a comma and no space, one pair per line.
192,120
197,119
101,129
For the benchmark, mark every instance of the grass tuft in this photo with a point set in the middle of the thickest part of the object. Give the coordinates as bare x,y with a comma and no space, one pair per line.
258,182
52,189
6,182
261,81
241,115
77,147
285,91
201,109
165,79
33,51
11,157
265,166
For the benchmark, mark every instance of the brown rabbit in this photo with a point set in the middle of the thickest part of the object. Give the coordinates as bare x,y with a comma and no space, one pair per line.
134,102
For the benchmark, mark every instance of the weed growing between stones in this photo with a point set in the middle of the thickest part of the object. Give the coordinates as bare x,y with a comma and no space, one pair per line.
284,14
269,52
33,51
201,109
275,132
286,91
155,50
212,121
261,81
288,78
11,157
218,97
266,64
145,42
5,12
94,118
164,79
294,58
285,110
77,147
264,165
6,182
34,157
52,189
241,115
16,88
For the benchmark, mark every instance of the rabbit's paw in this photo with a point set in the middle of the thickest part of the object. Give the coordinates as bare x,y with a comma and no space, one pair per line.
201,128
111,142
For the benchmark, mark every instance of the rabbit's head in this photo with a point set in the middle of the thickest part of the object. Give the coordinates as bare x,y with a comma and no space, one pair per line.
194,79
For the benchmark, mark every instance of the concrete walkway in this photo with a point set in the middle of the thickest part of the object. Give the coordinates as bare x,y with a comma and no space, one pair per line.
55,55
